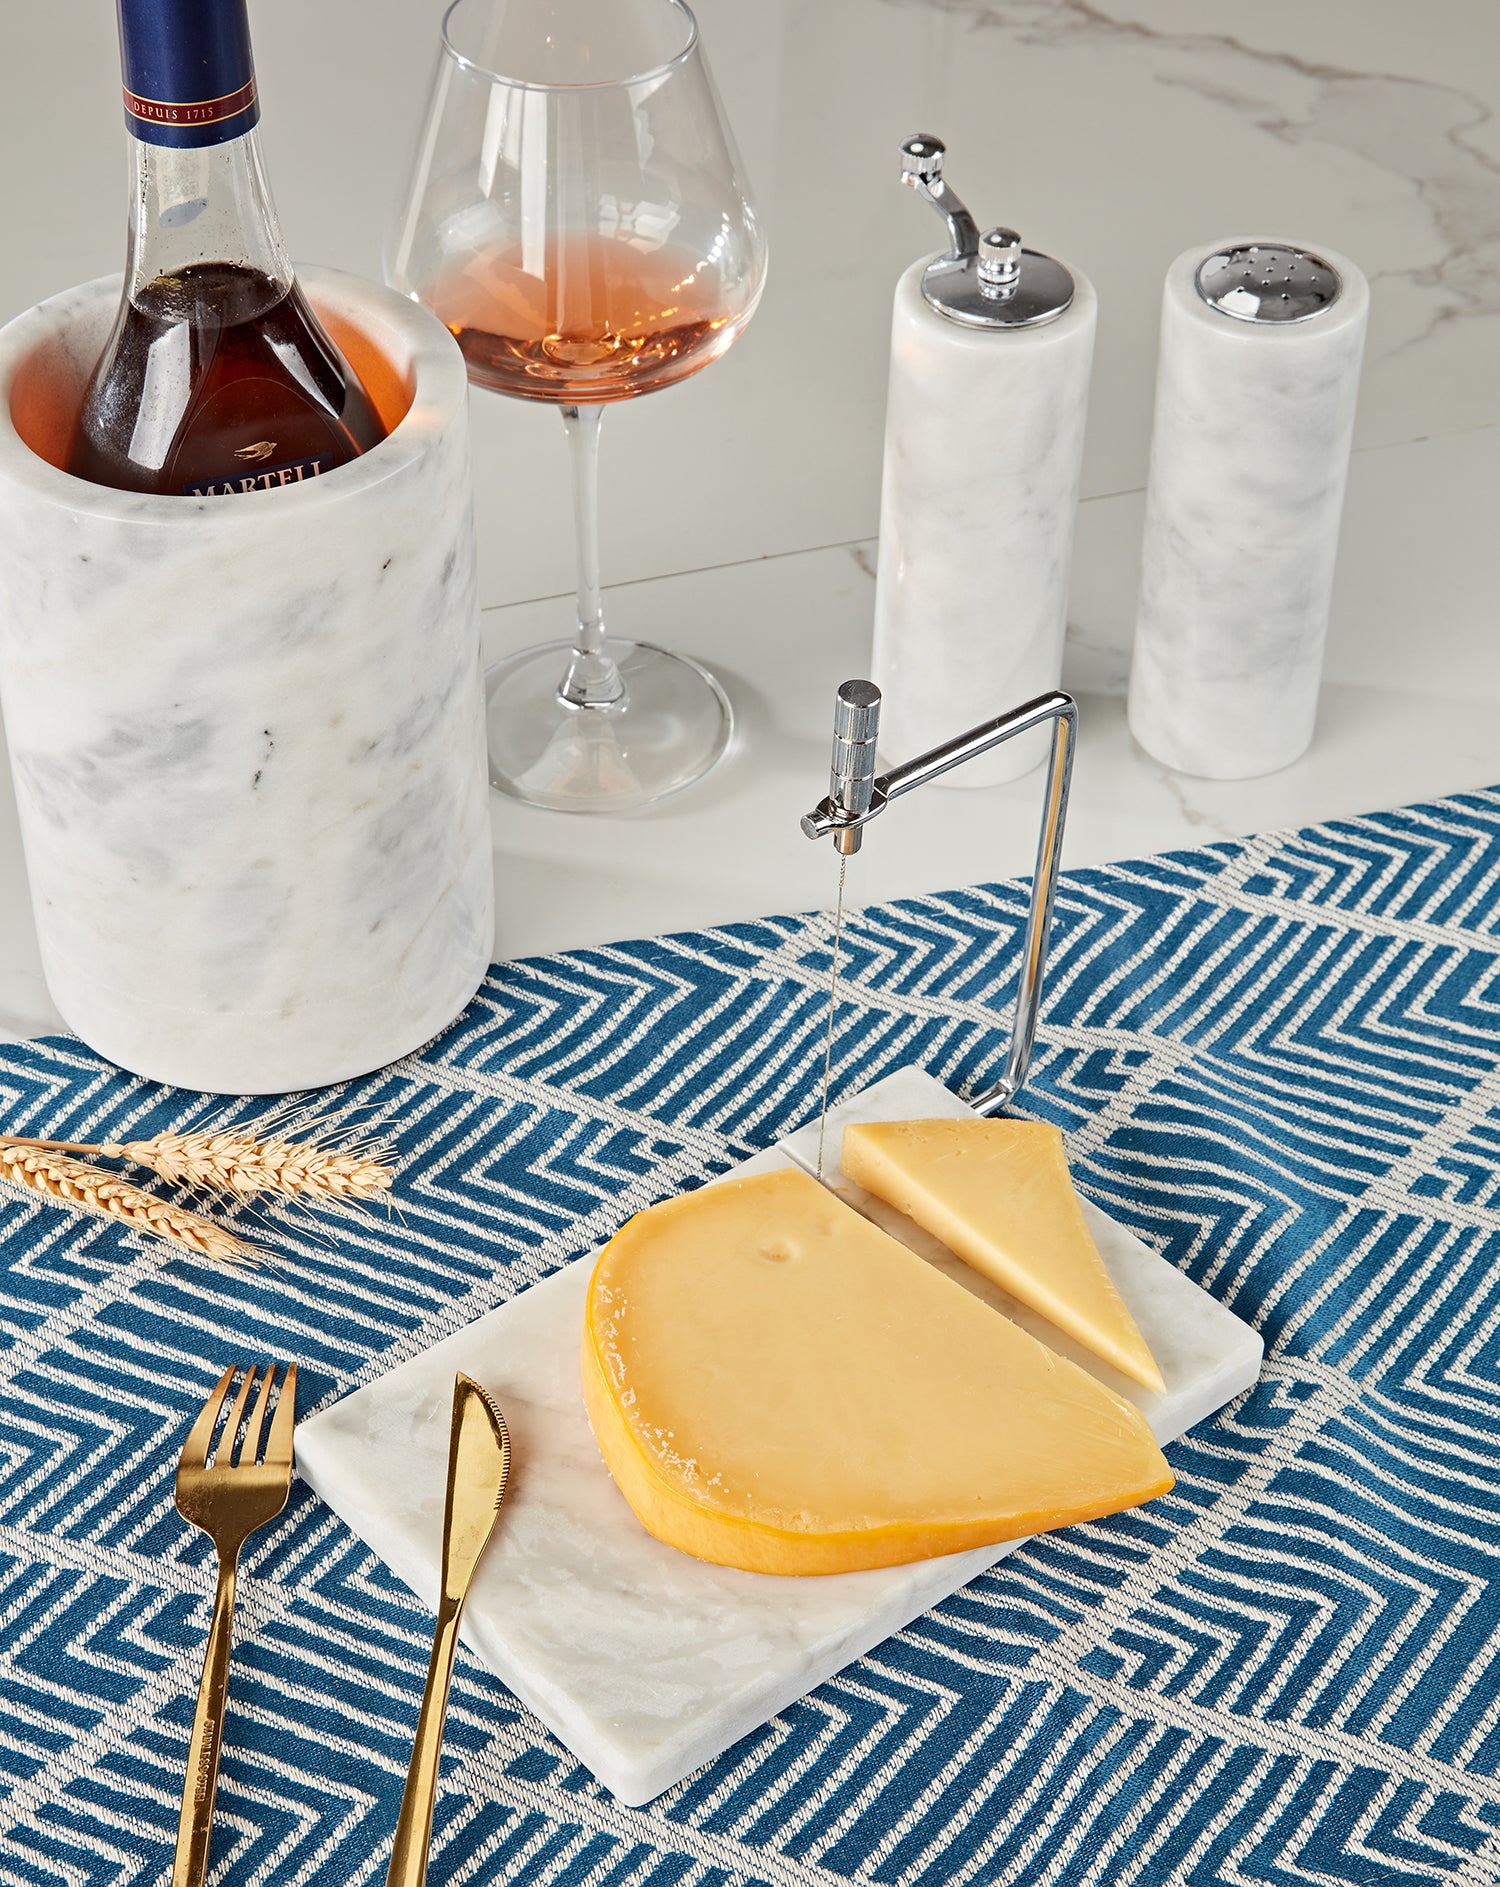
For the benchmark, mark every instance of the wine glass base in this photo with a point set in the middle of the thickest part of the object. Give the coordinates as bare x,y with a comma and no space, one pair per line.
672,726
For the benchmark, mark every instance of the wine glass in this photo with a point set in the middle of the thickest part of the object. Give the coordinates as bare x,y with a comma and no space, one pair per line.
578,219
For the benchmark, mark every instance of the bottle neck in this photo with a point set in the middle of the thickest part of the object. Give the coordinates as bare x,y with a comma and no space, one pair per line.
198,186
209,203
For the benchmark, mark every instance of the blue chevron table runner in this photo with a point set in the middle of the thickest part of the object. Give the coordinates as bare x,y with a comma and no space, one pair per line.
1275,1060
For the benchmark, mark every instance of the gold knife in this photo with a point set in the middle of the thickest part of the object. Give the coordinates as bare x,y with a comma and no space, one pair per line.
478,1463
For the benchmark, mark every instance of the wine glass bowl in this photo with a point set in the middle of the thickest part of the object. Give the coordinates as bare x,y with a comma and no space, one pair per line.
603,320
578,219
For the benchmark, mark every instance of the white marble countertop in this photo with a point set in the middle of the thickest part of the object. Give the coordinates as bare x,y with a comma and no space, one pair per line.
738,509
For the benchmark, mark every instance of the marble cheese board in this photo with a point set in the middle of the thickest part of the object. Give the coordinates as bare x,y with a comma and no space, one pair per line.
644,1662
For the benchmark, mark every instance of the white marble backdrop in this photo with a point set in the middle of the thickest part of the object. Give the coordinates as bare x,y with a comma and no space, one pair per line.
1115,132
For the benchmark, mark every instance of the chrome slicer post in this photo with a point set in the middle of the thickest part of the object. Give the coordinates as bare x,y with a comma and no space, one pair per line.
851,776
857,794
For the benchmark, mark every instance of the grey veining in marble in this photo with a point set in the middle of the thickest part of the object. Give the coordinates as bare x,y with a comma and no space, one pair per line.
647,1663
246,732
1249,459
979,491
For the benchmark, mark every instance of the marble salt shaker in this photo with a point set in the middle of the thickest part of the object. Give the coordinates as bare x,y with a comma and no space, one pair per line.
991,350
1256,387
247,732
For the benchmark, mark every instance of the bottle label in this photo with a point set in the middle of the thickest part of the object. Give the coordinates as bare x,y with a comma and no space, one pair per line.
265,478
188,70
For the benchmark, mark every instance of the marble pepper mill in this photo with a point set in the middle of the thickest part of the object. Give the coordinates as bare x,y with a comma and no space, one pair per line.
991,350
247,732
1255,395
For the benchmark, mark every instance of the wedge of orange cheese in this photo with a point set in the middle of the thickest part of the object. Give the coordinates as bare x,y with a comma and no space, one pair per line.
777,1384
999,1194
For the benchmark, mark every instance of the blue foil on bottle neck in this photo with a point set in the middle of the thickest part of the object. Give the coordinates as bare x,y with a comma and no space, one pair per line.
188,70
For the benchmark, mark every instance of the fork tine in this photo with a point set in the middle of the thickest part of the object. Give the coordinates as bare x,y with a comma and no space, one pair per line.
279,1442
200,1435
250,1447
225,1451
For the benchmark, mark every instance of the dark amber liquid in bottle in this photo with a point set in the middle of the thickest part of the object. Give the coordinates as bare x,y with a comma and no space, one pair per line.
218,380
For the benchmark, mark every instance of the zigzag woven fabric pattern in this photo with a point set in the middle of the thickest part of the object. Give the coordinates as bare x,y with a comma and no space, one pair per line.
1276,1061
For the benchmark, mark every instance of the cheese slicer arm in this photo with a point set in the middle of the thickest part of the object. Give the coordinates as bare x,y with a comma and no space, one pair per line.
858,795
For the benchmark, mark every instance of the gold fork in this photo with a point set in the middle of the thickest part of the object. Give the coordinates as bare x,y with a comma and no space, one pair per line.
227,1500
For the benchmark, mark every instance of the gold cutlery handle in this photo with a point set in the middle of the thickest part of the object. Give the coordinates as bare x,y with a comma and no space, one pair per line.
195,1823
413,1836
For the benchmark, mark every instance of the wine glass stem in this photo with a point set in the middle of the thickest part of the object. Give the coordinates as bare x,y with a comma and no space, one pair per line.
592,680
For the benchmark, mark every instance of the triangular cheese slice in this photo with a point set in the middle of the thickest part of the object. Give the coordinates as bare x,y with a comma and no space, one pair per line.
777,1384
999,1194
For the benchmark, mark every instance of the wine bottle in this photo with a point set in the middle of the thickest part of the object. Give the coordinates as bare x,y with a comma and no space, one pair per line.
217,377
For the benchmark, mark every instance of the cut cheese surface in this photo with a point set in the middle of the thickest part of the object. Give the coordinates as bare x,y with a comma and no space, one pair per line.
999,1194
777,1384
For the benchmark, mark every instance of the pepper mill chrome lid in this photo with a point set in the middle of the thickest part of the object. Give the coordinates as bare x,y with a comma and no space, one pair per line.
983,280
1267,282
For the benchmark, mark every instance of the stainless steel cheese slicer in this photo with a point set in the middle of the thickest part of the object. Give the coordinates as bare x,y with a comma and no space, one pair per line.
857,794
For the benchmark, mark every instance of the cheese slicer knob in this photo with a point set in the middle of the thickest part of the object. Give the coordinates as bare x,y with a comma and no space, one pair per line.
851,779
856,712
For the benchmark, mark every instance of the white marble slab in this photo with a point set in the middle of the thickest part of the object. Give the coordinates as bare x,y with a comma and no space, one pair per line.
646,1663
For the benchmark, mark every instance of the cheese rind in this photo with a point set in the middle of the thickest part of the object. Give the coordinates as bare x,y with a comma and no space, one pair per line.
998,1193
776,1384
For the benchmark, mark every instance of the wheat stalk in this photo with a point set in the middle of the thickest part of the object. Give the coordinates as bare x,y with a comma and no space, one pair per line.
246,1163
74,1182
